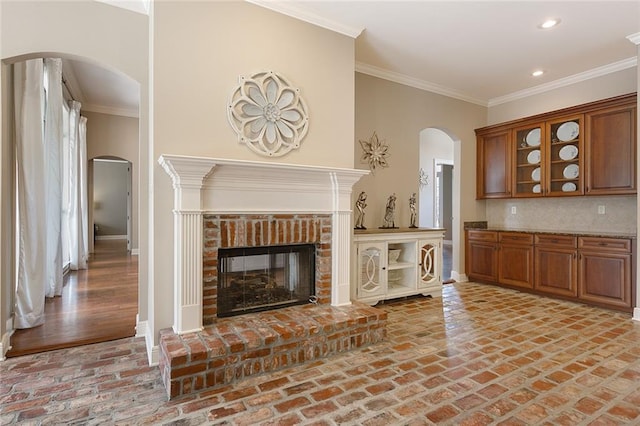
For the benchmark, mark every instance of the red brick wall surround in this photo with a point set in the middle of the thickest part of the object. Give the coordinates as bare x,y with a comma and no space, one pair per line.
248,230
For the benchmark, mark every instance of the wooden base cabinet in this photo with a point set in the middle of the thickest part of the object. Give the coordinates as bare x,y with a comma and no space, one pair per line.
515,259
482,255
605,271
556,263
594,270
397,263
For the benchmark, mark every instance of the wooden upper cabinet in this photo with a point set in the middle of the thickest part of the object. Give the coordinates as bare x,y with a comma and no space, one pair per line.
565,156
529,160
494,165
588,149
611,151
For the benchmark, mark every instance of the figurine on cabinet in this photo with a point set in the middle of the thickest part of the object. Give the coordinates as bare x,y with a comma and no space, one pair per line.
389,213
412,210
361,203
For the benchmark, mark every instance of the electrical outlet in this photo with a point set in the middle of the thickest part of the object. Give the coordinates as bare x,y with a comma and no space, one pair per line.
513,210
601,210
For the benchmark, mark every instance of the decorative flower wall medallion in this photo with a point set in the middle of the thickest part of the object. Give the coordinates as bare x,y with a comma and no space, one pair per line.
268,115
375,152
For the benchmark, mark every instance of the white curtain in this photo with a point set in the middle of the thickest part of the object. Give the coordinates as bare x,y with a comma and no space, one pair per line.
53,184
78,249
31,256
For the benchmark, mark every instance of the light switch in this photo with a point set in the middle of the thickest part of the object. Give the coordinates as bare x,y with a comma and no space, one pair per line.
601,210
513,209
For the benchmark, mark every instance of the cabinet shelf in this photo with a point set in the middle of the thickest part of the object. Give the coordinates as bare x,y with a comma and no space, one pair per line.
400,265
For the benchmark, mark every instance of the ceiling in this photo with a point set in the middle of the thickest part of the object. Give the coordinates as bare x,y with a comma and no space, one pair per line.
479,51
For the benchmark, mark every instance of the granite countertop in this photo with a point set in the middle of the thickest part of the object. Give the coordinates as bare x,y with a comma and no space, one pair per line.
483,226
393,230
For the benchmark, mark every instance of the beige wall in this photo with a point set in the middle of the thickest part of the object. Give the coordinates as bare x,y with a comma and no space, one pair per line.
113,135
200,49
108,36
398,114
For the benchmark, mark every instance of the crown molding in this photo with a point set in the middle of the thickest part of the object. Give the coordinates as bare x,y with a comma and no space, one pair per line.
567,81
286,8
417,83
123,112
634,38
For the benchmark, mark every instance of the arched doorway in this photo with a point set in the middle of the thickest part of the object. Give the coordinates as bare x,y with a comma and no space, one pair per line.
440,190
82,314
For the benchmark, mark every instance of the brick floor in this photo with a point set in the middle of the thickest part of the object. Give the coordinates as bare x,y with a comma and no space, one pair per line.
480,355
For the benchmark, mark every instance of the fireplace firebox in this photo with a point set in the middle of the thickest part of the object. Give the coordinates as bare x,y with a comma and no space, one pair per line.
252,279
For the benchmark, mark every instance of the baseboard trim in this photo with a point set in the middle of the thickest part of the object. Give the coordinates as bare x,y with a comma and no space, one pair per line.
143,330
111,237
460,278
636,314
5,344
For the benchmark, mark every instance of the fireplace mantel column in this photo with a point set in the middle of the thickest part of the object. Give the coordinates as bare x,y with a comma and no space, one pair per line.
187,175
342,186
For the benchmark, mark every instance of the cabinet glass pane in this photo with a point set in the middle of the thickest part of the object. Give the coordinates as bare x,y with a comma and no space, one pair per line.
428,263
370,270
564,157
528,165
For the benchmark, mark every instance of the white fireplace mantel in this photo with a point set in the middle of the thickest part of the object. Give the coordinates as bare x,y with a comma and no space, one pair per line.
213,185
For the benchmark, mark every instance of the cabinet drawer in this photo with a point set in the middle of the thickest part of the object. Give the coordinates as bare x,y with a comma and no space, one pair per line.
621,245
515,238
488,236
564,241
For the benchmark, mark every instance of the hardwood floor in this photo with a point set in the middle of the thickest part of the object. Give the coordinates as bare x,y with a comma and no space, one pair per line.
98,304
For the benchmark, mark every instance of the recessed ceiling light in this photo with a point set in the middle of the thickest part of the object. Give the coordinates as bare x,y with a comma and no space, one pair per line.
549,23
537,73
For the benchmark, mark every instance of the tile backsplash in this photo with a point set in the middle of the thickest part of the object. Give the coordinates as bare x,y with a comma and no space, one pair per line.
570,214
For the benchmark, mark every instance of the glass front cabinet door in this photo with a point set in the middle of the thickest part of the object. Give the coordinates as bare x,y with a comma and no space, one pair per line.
371,282
429,262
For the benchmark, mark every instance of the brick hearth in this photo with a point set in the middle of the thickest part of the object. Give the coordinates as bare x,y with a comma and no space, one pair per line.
238,347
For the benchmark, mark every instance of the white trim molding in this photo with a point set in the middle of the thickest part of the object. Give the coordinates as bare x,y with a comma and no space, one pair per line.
634,38
287,8
567,81
458,277
636,314
223,186
417,83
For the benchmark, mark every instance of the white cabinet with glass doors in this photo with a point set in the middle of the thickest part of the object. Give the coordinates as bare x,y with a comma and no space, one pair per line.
397,263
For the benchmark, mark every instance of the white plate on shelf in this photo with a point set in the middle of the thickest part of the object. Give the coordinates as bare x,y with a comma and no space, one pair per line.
535,174
568,131
534,157
571,171
569,187
533,137
536,188
568,152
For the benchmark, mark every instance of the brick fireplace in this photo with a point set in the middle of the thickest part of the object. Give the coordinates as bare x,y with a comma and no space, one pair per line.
265,230
221,203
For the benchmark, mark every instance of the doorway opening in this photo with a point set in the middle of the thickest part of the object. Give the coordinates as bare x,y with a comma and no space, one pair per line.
439,192
99,303
110,187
